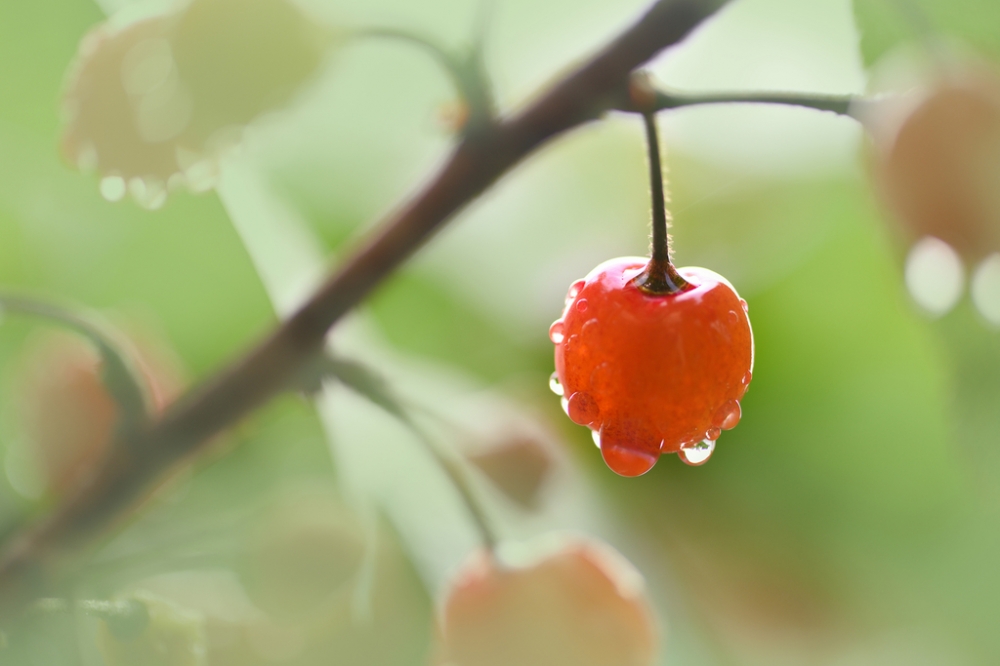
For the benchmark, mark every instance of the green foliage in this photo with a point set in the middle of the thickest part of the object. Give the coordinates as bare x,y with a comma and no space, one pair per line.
886,24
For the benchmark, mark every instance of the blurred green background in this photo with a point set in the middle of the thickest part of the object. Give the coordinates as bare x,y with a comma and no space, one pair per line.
851,517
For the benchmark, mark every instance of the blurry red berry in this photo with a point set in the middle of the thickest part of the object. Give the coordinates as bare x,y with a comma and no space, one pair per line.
582,605
66,413
652,373
941,173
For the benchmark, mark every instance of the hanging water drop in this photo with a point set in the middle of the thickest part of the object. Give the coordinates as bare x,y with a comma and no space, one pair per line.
628,462
565,405
596,436
697,454
626,451
554,384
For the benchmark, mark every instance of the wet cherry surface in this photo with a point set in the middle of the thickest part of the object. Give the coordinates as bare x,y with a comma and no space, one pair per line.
652,374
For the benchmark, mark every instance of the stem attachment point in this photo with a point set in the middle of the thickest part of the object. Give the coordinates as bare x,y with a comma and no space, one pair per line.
660,278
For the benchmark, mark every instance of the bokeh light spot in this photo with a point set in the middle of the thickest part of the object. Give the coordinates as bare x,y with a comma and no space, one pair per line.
934,275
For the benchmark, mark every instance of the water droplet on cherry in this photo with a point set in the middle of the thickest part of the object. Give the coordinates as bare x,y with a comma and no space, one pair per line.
574,290
596,436
556,331
746,308
697,454
627,462
554,384
582,408
565,405
581,305
626,451
727,416
712,434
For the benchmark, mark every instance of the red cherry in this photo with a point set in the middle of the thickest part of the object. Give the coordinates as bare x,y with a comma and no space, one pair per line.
652,373
583,605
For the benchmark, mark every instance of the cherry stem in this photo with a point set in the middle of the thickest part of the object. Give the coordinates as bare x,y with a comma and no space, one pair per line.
363,381
661,239
660,277
465,67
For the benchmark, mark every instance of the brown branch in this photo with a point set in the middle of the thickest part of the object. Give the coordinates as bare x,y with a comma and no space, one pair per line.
39,553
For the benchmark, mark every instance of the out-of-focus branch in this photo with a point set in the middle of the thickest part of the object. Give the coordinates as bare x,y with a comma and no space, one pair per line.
32,558
465,67
663,100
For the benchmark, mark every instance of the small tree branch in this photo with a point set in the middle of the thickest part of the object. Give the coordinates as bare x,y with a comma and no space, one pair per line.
40,553
665,100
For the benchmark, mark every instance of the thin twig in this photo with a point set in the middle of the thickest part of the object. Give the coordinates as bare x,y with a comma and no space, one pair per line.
464,68
38,554
367,383
665,100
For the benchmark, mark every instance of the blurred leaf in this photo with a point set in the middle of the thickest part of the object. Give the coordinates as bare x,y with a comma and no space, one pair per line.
37,40
304,551
886,24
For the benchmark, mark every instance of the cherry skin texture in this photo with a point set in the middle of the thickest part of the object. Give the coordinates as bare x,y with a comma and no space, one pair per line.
652,374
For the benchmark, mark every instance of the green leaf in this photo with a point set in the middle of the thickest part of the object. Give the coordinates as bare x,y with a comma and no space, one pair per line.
887,24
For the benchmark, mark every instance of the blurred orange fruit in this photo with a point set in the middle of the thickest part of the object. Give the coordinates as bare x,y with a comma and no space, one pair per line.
582,605
67,415
941,173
